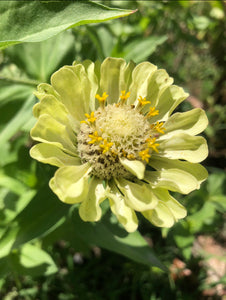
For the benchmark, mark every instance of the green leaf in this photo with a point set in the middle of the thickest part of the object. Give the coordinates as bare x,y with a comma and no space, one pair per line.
42,215
14,185
35,21
216,183
28,260
140,49
21,117
11,92
111,237
40,60
13,205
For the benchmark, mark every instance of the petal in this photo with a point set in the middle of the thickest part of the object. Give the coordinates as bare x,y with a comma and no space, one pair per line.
70,183
191,122
127,76
174,206
172,179
89,209
196,170
157,84
51,106
139,85
93,74
45,89
112,70
137,196
183,146
125,215
72,84
161,216
50,131
169,99
51,154
136,167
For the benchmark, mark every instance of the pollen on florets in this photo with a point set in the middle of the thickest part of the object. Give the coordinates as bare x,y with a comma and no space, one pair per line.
117,131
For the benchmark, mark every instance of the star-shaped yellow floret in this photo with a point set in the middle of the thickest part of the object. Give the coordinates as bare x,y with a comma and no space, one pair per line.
152,144
95,138
145,155
158,127
153,112
102,98
124,96
143,101
105,146
89,118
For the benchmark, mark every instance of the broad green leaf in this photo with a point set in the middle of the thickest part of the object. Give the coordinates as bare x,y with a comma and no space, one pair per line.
14,185
109,236
13,205
35,21
21,117
140,50
10,91
42,215
216,183
28,260
40,60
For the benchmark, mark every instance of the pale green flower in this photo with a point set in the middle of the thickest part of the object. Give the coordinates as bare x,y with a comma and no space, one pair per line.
109,129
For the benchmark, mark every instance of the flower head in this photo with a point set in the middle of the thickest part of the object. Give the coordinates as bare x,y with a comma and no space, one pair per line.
109,129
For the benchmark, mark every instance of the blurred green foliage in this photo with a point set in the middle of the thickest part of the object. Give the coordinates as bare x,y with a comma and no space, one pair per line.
50,259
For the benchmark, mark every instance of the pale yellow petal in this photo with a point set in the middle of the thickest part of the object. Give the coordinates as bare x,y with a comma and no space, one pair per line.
169,99
138,196
183,146
45,89
71,183
90,209
50,131
157,83
161,216
191,122
172,179
53,155
139,85
136,167
196,170
110,78
173,205
73,86
125,215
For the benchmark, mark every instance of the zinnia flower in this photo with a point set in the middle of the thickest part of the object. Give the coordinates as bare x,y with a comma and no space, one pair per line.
109,129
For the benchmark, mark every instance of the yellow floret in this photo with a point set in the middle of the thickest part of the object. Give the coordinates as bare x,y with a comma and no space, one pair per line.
153,112
95,138
158,127
152,144
124,96
106,146
145,155
143,101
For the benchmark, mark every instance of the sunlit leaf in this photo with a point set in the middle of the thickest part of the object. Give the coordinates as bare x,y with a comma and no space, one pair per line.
109,236
28,260
35,21
139,50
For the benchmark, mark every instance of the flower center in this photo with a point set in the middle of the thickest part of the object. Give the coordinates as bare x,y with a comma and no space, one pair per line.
117,131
